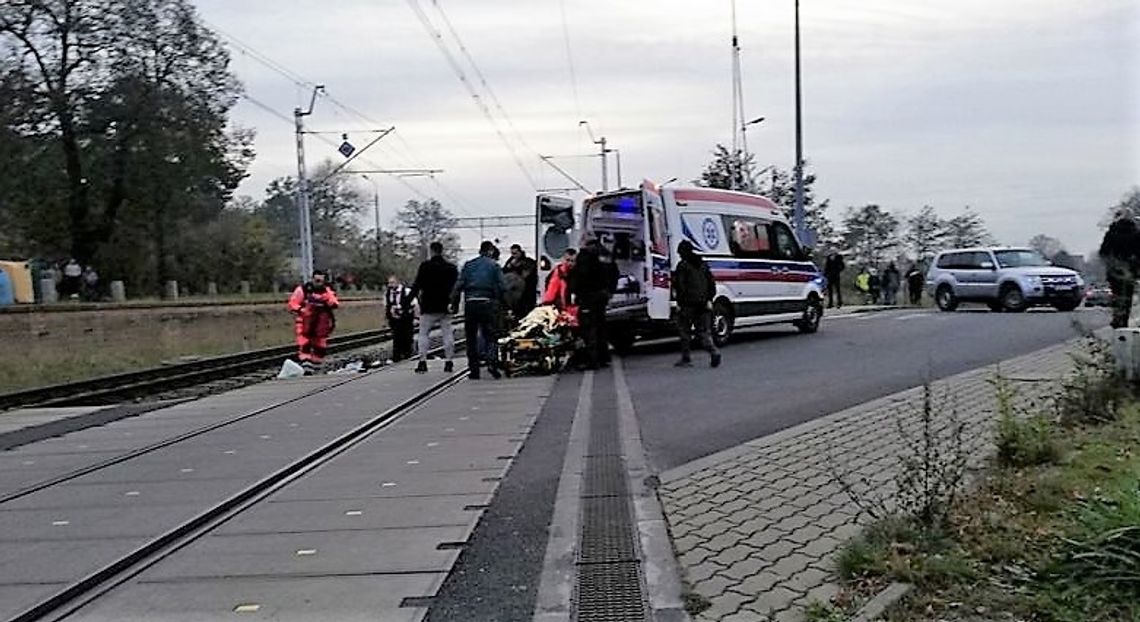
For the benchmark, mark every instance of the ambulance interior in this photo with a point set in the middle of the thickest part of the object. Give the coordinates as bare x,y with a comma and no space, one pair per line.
619,223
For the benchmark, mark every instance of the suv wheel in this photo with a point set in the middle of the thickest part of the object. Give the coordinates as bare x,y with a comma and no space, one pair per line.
722,323
1012,299
945,298
813,313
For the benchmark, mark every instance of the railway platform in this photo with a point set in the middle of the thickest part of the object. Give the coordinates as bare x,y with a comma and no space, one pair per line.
326,497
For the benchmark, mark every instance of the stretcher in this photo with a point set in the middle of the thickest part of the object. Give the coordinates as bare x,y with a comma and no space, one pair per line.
541,344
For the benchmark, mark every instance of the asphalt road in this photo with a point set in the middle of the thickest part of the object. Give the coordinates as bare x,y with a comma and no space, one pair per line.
775,378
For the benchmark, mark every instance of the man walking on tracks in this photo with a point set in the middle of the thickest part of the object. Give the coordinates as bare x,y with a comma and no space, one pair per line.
312,305
433,285
481,286
1120,251
592,281
400,311
695,289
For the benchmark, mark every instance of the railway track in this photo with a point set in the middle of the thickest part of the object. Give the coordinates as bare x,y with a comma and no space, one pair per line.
114,572
132,385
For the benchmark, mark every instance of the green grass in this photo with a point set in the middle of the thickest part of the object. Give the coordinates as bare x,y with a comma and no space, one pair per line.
1048,540
824,612
136,339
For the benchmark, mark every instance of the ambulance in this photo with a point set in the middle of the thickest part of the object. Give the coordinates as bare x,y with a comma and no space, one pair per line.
764,275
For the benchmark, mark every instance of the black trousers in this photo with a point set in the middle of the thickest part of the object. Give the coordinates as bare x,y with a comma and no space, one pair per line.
479,330
915,294
402,329
1122,290
592,323
834,292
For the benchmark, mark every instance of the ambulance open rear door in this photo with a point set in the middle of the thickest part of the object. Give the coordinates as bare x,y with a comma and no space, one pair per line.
659,265
556,230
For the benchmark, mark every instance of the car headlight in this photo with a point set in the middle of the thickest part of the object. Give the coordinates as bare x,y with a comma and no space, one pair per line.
1033,281
1080,281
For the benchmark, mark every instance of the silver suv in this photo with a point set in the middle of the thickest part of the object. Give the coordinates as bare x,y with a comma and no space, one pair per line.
1006,279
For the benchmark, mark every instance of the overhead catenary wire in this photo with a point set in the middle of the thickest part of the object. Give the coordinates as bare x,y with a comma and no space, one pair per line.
570,60
479,74
491,93
437,37
301,82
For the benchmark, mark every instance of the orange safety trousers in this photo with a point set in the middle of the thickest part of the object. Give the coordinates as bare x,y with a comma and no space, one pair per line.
314,321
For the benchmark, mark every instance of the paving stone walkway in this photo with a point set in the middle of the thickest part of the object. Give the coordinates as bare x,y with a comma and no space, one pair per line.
756,527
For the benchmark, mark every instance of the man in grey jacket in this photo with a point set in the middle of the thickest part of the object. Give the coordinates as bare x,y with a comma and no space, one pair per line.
482,287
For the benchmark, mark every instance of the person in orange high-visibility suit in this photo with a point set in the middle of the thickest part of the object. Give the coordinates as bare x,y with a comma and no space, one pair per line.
312,305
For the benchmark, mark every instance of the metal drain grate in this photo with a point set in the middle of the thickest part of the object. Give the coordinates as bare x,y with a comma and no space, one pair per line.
608,586
610,593
607,535
605,477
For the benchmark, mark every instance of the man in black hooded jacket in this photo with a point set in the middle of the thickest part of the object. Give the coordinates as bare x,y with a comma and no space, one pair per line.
695,288
1120,251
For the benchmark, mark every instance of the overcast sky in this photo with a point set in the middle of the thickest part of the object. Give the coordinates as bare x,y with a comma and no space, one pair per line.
1026,110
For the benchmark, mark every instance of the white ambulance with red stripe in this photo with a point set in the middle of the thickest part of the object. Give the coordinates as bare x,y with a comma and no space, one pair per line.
764,275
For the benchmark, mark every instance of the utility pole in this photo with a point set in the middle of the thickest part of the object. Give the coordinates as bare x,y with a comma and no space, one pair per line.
375,211
602,143
617,152
798,214
302,194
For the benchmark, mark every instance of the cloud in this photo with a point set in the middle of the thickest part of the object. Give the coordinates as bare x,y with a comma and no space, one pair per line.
1024,109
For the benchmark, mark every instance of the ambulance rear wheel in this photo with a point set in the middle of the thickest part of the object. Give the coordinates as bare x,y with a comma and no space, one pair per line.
621,338
722,323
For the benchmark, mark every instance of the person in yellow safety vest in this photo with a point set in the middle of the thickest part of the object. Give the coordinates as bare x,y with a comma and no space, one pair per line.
863,282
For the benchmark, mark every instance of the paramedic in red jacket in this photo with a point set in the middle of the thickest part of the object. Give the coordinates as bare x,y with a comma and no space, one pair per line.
312,306
558,283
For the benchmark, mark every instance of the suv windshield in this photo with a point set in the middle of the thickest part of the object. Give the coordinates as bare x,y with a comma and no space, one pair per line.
1020,259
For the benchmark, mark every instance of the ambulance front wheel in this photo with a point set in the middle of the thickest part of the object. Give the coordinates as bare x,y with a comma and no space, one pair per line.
722,323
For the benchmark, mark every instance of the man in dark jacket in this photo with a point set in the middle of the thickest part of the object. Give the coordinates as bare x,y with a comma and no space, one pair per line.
891,282
481,286
526,269
1120,251
695,288
592,282
434,282
833,271
914,284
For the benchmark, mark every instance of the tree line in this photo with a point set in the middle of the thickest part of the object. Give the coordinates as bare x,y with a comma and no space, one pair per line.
870,235
116,130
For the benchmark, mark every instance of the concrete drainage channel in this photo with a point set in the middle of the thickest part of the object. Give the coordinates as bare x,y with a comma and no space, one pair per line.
608,579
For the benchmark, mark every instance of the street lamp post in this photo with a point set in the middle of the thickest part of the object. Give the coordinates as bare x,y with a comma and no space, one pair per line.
798,214
744,148
744,132
617,152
